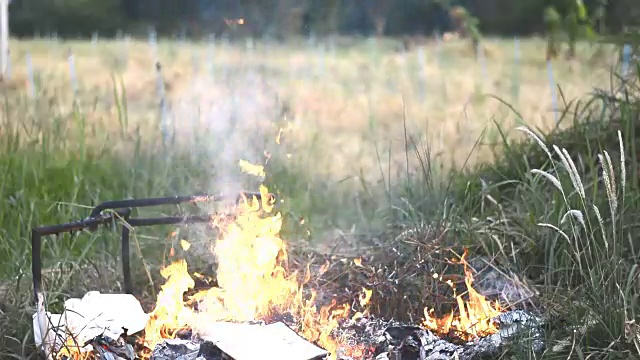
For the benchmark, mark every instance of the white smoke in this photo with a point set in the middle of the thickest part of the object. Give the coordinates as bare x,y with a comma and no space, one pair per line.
225,115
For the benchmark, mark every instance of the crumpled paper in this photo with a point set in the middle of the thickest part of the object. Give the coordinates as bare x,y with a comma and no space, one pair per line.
94,315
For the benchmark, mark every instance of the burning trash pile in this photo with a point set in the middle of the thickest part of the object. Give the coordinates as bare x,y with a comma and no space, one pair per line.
258,305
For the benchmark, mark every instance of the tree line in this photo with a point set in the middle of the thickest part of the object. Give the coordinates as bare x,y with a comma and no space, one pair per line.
282,18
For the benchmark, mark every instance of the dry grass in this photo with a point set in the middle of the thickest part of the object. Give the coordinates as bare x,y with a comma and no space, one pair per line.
342,100
345,119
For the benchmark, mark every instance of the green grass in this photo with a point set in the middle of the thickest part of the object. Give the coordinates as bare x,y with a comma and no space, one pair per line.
53,168
562,209
554,217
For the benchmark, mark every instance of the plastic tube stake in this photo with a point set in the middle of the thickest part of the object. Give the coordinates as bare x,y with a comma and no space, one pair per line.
31,83
626,59
554,93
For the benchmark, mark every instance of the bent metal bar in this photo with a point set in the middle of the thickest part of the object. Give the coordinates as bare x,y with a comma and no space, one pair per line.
122,212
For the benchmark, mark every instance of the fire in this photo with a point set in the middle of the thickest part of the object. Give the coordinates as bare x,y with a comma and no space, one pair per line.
254,282
234,22
475,315
253,169
365,297
72,350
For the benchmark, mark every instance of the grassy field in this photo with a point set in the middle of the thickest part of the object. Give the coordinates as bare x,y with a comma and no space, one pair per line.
341,126
349,93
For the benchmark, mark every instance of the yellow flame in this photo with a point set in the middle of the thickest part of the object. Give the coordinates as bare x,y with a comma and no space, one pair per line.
475,316
185,245
251,169
364,299
254,283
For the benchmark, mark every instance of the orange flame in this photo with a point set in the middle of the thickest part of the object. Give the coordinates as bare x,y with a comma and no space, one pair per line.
475,318
71,350
254,282
234,22
253,169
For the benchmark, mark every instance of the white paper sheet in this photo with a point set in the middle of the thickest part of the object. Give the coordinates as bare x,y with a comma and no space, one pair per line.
93,315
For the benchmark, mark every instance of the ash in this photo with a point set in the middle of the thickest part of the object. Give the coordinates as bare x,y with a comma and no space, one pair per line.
518,329
180,349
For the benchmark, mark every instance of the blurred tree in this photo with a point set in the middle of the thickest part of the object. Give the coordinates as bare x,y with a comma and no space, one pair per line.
621,14
413,17
322,16
508,17
131,9
553,24
576,25
354,19
290,17
285,17
600,16
379,11
466,25
572,27
66,17
331,16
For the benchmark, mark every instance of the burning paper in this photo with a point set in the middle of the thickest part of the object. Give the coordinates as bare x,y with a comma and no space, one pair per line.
94,315
271,341
254,284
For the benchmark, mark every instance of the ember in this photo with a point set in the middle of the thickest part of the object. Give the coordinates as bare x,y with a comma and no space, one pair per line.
413,343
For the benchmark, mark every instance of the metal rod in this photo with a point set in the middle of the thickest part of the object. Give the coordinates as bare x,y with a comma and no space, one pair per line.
123,209
36,241
126,261
170,220
119,204
173,200
81,224
36,263
4,36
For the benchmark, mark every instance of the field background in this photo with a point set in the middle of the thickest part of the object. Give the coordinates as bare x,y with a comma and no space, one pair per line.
347,106
345,94
344,110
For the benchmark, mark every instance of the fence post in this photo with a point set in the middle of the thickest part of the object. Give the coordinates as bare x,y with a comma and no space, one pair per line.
440,62
72,74
554,93
164,116
483,63
153,43
30,77
515,85
211,60
4,36
422,73
626,60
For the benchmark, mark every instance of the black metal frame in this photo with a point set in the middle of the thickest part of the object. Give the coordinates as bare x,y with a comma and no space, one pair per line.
122,212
